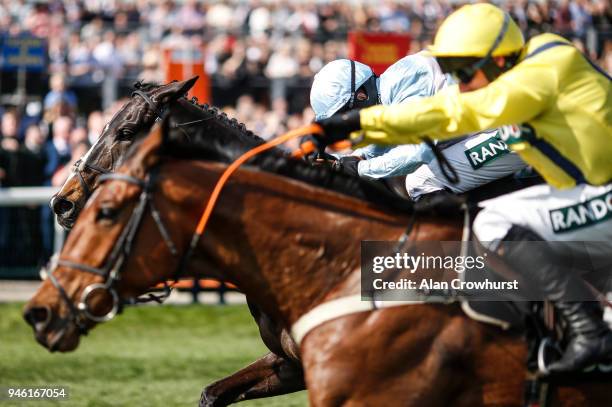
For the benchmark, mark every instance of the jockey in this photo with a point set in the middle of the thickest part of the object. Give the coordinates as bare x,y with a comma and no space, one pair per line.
565,103
344,84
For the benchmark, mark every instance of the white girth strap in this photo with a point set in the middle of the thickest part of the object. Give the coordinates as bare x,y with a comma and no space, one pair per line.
340,307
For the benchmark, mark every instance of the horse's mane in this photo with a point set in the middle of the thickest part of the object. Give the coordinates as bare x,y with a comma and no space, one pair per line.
239,130
224,139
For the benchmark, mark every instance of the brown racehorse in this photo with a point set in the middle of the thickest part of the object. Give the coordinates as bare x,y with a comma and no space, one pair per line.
291,247
276,373
138,114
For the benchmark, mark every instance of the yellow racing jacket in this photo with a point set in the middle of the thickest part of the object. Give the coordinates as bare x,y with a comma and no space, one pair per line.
563,101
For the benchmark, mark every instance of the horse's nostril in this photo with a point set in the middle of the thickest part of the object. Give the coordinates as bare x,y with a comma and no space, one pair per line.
62,206
38,317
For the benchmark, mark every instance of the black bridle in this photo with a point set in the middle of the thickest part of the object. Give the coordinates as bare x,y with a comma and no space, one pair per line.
159,113
80,165
110,270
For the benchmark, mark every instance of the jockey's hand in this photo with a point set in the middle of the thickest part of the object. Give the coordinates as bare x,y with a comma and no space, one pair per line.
339,127
348,165
312,146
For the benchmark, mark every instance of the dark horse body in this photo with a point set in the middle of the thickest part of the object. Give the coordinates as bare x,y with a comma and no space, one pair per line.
285,244
276,373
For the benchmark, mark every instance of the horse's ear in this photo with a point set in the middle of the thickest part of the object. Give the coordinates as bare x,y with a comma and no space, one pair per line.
148,152
173,90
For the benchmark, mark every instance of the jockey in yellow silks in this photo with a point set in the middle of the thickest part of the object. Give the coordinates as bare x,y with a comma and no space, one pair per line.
564,104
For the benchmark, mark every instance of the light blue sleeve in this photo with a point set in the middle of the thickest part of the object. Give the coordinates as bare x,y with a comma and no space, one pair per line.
410,77
371,151
399,160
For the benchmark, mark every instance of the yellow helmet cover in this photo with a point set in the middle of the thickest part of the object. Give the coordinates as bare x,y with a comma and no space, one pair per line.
473,30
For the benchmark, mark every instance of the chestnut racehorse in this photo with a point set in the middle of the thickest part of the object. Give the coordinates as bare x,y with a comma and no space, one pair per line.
278,372
291,247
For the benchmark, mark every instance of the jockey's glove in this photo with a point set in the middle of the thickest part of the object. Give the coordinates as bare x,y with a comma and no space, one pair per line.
339,127
348,164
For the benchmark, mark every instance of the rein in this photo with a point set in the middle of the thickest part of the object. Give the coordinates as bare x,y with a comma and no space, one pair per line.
212,201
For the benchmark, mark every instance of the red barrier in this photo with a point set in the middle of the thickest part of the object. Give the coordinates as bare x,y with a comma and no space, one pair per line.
378,50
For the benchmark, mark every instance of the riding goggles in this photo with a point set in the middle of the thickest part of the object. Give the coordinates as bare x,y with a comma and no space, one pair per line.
370,88
462,69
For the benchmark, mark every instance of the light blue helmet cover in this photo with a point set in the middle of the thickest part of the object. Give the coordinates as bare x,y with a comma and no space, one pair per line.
331,88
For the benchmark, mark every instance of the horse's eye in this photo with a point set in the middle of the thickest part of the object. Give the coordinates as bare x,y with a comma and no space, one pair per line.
124,133
107,213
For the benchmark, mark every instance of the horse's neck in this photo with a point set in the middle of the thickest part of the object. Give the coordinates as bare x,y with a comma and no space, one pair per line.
287,245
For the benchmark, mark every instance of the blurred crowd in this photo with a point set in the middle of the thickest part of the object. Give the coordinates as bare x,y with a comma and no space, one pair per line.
260,57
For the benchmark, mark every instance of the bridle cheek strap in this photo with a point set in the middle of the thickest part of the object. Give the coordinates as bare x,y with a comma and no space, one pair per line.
78,168
74,312
158,112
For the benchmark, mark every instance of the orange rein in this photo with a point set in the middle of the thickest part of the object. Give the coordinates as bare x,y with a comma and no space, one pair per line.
306,148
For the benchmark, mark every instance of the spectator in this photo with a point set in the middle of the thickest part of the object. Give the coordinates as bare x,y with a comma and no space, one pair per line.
58,148
33,161
80,61
19,166
9,144
160,20
38,22
260,57
78,135
280,68
190,16
258,19
95,125
57,152
106,56
33,147
78,150
59,101
393,18
150,63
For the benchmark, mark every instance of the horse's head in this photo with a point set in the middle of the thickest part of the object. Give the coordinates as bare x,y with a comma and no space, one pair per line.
125,241
134,231
138,114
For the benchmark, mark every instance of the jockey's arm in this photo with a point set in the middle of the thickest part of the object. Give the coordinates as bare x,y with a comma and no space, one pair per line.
515,97
399,160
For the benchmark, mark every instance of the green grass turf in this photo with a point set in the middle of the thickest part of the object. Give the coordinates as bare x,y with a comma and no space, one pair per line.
148,356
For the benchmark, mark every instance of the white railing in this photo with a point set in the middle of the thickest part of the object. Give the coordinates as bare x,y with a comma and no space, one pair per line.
23,196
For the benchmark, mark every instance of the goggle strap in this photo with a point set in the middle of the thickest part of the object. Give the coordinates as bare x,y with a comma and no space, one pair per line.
495,45
352,99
